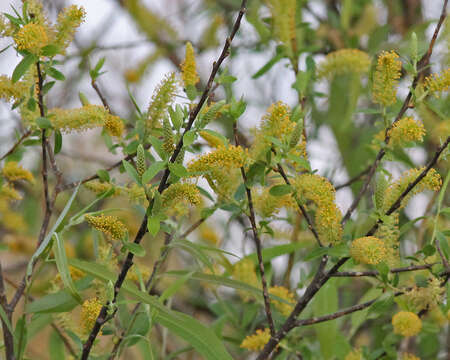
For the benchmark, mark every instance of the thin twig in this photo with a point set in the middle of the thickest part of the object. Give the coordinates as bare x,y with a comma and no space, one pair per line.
8,338
18,142
257,241
353,179
374,273
102,317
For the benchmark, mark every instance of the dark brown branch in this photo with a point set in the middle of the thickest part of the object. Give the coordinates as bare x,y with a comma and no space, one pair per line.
335,315
422,64
18,142
374,273
100,95
257,241
102,317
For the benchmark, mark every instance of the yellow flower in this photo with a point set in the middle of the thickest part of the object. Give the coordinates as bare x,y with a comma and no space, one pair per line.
212,140
75,274
228,157
110,225
188,70
114,125
68,20
178,192
285,294
87,117
407,356
436,83
161,100
368,250
406,323
405,130
244,271
354,355
133,275
12,92
257,341
385,80
12,171
8,192
89,313
283,17
432,181
420,298
389,232
100,187
344,61
31,37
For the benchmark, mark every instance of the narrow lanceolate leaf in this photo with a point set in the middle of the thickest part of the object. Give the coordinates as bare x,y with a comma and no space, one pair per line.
131,171
22,67
188,328
63,267
49,235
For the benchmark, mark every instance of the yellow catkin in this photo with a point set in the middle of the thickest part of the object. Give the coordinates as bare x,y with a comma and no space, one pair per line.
257,341
68,21
136,194
368,250
99,187
12,171
133,274
285,294
406,323
344,61
224,157
389,232
244,271
212,140
6,27
113,125
89,313
8,192
188,67
385,79
87,117
405,130
432,181
420,298
437,83
178,192
12,92
110,225
354,355
31,37
208,234
318,189
283,17
407,356
161,100
75,274
267,205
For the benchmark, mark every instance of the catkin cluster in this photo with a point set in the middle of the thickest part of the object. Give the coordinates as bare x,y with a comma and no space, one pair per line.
406,130
319,190
368,250
286,307
257,341
385,78
244,271
344,61
437,83
406,323
109,225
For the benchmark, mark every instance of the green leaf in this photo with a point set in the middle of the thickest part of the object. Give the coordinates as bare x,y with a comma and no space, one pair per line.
280,190
50,50
189,138
191,92
270,253
56,347
58,142
103,175
158,146
43,123
443,244
5,319
63,267
55,74
131,171
23,66
47,86
151,172
134,248
267,66
20,337
49,235
153,225
189,329
60,301
173,288
178,170
196,251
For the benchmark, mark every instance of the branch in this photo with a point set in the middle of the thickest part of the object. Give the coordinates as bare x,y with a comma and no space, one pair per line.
353,179
374,273
102,317
423,63
258,243
18,142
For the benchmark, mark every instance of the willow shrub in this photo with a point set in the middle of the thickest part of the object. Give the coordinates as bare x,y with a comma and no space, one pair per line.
140,259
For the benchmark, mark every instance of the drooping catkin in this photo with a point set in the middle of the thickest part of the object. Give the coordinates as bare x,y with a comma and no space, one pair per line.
344,61
188,67
68,21
437,83
140,159
257,341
